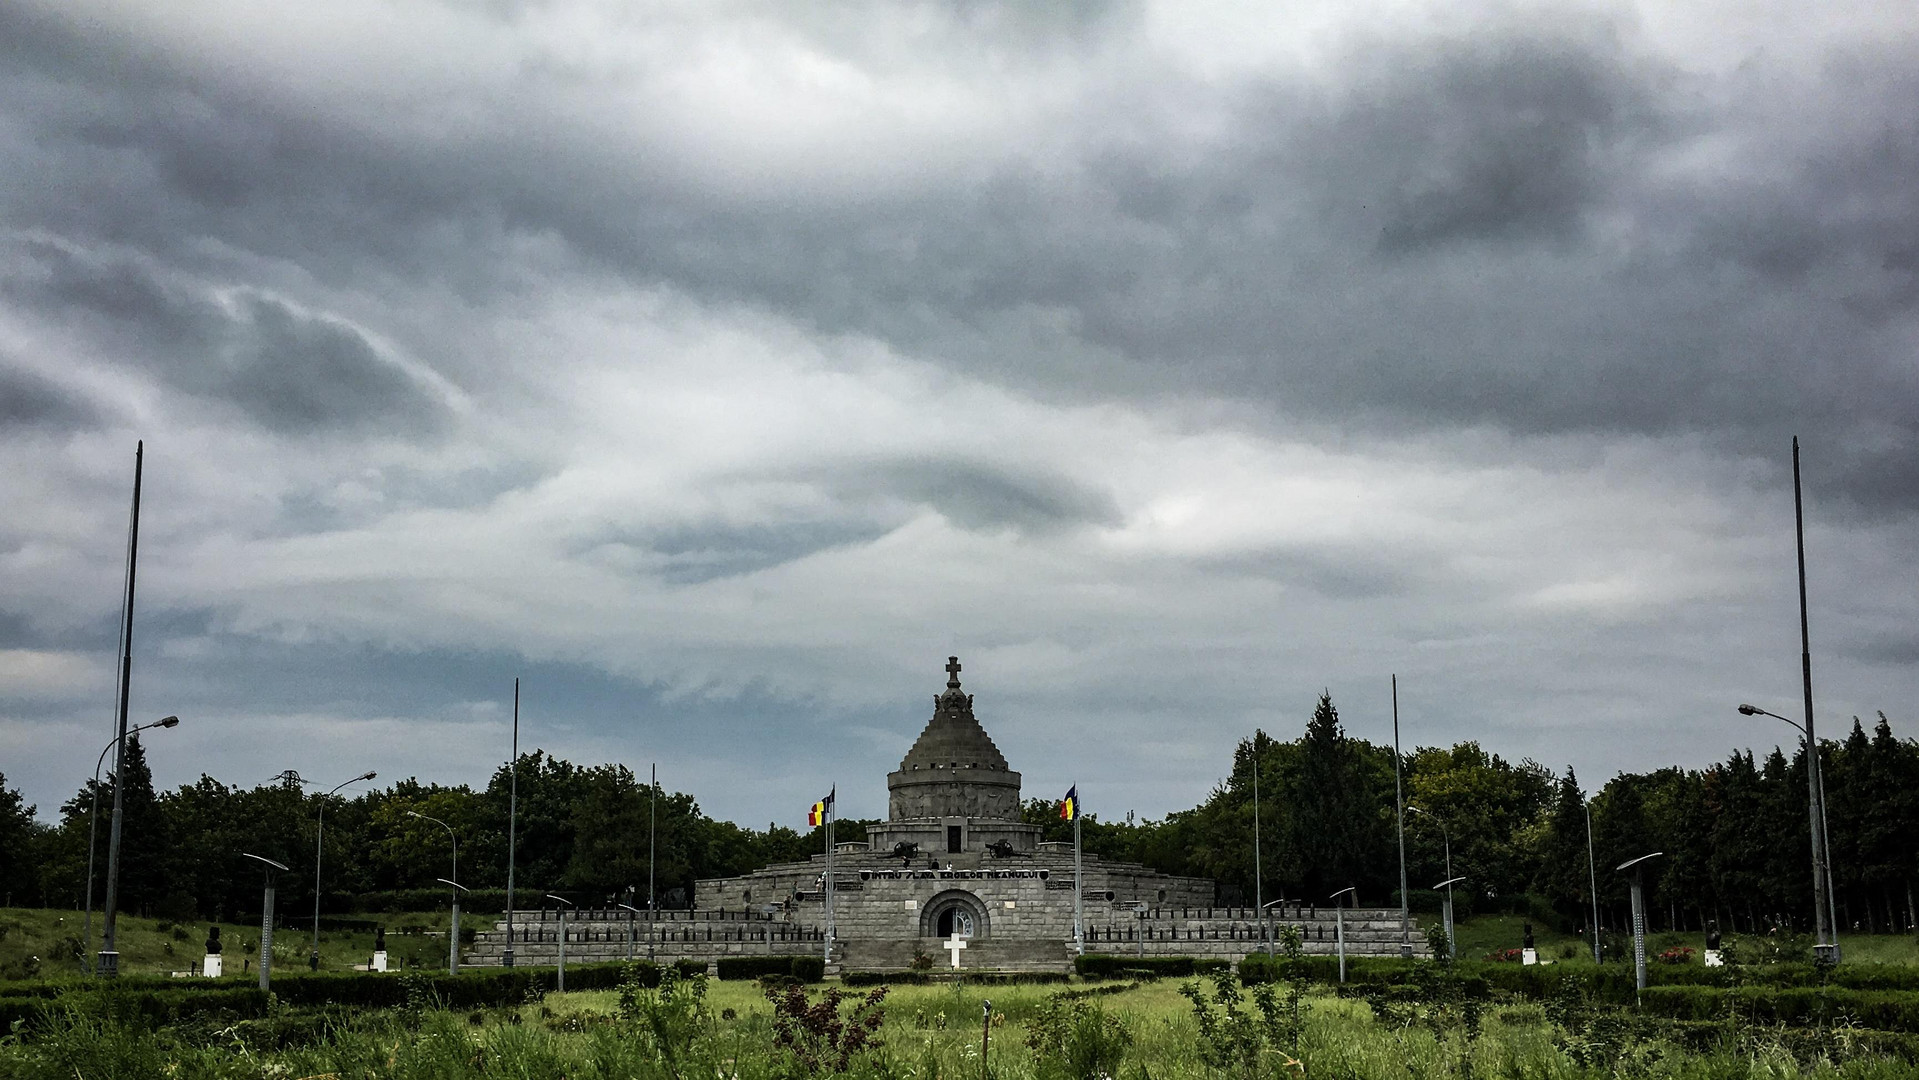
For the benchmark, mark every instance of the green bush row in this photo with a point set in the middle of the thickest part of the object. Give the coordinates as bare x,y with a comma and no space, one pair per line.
1104,966
1883,1010
804,968
924,978
162,1001
148,1008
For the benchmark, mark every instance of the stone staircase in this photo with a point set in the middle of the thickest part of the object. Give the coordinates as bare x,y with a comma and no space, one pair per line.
980,954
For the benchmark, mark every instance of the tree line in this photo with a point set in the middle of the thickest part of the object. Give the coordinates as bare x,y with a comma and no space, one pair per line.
1734,835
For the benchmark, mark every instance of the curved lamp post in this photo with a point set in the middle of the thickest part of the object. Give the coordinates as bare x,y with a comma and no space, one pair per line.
632,913
560,983
1592,875
453,935
319,836
454,947
1824,903
1339,924
1266,921
266,918
1452,947
93,829
1638,914
1446,836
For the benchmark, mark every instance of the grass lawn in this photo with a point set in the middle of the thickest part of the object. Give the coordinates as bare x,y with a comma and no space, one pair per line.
42,941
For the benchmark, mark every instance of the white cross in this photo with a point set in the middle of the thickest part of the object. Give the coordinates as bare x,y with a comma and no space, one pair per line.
953,945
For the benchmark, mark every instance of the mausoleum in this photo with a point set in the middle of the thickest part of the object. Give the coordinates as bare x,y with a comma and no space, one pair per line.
952,874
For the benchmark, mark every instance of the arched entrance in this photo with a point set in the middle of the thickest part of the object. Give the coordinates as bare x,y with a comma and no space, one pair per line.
954,910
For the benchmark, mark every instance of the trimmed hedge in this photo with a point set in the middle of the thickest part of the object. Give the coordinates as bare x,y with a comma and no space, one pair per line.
157,1001
1104,966
925,978
804,968
148,1008
1884,1010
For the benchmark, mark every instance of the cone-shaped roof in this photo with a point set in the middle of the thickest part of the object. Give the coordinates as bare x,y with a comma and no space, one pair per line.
953,738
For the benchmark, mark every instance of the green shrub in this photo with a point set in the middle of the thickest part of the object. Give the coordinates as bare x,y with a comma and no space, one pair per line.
1102,966
803,968
1072,1038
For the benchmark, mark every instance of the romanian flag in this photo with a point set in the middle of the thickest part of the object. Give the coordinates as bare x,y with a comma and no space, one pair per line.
816,814
1069,806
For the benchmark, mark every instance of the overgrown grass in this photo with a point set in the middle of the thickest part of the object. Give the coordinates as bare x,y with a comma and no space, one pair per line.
1146,1031
42,942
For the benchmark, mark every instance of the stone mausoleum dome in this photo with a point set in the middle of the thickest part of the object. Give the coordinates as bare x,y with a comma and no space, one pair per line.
953,792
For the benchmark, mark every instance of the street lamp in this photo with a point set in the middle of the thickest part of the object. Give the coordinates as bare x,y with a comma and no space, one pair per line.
1339,924
454,946
453,936
93,829
266,918
1446,836
1823,901
1638,914
633,911
319,835
560,983
1592,876
1452,947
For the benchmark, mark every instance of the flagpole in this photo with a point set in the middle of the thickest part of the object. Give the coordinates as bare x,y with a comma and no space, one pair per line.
830,814
1079,886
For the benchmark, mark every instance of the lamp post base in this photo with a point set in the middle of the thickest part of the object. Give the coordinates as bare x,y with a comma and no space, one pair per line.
506,958
1824,954
109,963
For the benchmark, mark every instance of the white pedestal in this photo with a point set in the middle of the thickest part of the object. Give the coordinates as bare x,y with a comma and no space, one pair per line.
1713,959
211,969
1529,957
379,960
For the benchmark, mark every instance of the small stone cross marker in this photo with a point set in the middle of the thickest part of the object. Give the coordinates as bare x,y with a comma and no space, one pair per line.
953,945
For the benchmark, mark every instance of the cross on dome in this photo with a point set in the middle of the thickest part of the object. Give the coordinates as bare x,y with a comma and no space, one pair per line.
952,672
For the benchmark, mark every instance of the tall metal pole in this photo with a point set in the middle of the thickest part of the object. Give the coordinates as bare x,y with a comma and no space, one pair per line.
1399,804
109,958
512,820
1592,871
652,851
1826,926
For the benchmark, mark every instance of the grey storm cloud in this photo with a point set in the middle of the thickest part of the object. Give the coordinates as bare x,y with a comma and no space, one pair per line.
29,401
287,370
978,495
670,346
869,499
1448,233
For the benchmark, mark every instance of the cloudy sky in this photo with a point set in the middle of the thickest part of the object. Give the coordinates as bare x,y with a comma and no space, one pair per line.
721,368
